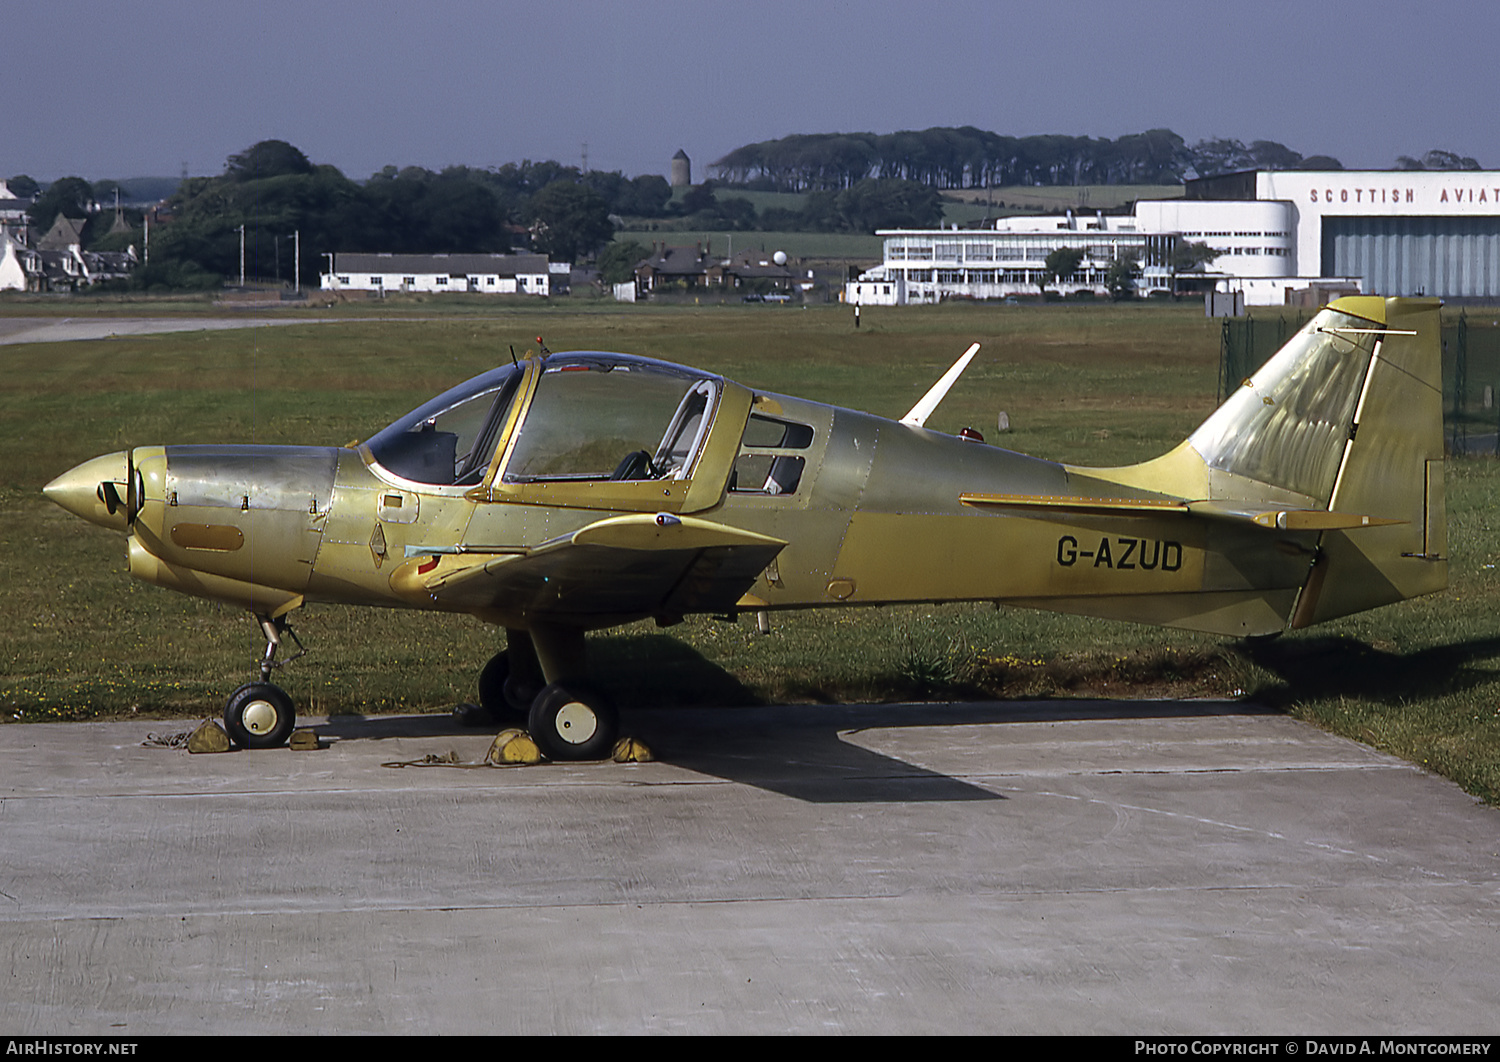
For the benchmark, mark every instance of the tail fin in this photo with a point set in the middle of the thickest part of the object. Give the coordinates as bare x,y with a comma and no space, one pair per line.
1348,416
1393,468
1347,420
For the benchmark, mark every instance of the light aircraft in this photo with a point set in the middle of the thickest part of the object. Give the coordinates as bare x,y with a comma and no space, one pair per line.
569,492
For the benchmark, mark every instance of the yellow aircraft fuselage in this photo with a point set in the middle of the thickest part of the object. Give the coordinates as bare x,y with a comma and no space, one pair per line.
579,491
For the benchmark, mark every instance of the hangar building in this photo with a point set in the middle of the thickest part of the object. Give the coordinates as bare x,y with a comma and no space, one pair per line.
1391,232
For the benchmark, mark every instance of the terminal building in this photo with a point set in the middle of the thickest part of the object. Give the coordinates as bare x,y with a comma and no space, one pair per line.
1276,232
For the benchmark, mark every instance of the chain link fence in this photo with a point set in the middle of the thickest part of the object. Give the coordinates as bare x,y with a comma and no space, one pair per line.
1471,369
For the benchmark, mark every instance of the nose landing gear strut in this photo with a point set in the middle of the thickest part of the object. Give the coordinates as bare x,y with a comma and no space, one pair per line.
261,715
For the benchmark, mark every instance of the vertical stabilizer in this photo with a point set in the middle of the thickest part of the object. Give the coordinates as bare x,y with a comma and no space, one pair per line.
1392,468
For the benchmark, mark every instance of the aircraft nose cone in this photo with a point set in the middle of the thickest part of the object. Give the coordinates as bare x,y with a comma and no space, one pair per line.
83,491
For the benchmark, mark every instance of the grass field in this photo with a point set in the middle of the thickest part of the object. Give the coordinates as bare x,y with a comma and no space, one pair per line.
1096,384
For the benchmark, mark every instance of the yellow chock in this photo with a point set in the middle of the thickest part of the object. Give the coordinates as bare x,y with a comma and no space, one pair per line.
304,740
209,737
631,750
513,748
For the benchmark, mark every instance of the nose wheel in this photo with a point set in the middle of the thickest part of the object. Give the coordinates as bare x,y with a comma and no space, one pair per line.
259,715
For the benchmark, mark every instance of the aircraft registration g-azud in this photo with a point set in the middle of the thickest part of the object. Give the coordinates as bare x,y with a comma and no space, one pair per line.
577,491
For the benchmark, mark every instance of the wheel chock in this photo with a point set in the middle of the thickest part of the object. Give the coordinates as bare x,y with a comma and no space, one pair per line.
303,740
631,750
210,737
513,748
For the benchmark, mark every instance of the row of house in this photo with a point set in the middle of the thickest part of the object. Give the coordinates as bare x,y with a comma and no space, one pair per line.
694,267
57,262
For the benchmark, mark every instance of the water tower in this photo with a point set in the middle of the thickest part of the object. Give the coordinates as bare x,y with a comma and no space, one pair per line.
682,170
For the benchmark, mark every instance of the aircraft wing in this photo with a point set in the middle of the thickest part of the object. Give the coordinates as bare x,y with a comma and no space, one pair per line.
639,564
1257,513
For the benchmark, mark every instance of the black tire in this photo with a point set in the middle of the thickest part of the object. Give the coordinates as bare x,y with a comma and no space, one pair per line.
572,723
502,693
259,715
492,679
520,693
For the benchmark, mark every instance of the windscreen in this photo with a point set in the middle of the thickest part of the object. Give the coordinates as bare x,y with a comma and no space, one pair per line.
450,439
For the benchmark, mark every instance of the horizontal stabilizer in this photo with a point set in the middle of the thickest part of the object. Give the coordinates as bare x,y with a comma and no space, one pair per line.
1044,504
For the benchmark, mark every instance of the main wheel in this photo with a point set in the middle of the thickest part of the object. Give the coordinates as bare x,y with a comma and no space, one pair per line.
259,715
492,679
501,691
572,723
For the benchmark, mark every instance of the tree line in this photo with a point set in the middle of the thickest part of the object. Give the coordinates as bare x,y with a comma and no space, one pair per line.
966,157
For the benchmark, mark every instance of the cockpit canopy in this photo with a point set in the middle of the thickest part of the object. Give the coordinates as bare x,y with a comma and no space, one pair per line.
450,439
590,416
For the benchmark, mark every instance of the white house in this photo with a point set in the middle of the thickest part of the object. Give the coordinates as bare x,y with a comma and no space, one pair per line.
484,274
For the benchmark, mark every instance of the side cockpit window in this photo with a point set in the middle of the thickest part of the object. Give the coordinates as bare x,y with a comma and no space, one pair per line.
602,419
769,461
450,440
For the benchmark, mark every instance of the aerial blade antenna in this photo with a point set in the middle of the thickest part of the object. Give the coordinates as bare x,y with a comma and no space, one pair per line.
923,409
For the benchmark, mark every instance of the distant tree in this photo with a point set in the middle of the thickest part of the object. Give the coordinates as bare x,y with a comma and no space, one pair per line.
1219,155
967,157
72,197
569,220
1269,155
1190,257
648,196
735,213
1211,157
454,215
645,196
1320,162
891,204
699,199
618,260
269,158
23,187
1061,263
780,219
1121,277
1439,159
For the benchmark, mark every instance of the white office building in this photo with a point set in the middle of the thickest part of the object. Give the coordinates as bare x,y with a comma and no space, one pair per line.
1391,233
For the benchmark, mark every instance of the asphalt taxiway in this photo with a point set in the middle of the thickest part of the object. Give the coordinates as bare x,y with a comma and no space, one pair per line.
15,330
1058,867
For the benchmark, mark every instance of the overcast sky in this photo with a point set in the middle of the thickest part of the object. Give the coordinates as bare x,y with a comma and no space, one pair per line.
107,89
